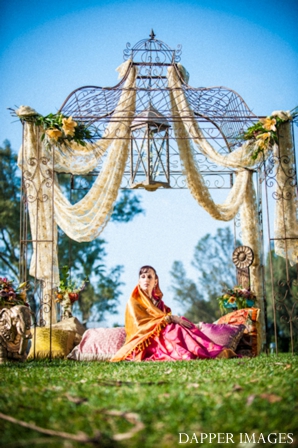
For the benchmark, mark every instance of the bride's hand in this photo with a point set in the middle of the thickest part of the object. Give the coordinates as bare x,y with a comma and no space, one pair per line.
181,321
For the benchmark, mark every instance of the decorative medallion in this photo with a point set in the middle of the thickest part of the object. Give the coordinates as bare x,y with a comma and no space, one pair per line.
243,257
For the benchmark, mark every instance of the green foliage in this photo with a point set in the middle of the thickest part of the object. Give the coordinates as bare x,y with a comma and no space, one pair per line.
187,293
9,211
102,296
80,134
256,131
127,207
68,285
87,260
264,132
205,396
216,271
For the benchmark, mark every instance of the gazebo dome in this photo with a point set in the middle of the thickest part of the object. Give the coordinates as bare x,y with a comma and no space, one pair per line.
152,51
222,112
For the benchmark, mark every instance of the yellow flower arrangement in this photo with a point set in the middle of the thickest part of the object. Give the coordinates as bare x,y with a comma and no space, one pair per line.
54,133
68,126
269,123
263,140
264,136
264,132
57,127
262,145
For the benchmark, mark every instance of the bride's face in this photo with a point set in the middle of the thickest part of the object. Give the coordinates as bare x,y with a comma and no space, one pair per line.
147,281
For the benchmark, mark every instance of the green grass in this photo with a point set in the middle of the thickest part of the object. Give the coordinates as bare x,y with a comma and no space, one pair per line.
257,395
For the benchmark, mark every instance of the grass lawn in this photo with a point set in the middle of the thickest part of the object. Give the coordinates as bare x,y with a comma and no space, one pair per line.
150,403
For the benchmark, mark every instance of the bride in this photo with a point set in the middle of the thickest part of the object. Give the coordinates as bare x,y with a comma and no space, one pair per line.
154,334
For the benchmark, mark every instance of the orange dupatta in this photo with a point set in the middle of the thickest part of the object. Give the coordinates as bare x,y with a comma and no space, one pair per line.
143,321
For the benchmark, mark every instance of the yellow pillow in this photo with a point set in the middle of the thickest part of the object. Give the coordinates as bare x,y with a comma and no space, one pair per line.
72,324
62,343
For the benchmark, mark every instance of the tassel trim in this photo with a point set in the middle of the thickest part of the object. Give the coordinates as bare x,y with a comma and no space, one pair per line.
146,342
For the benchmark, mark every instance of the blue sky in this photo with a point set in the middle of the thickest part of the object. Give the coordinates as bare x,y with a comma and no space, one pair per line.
49,49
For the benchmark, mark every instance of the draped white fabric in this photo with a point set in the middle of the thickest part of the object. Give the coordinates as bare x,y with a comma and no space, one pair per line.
240,158
195,181
85,220
48,206
242,193
74,158
77,159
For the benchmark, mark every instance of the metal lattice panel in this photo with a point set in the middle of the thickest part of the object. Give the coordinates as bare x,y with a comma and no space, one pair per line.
220,112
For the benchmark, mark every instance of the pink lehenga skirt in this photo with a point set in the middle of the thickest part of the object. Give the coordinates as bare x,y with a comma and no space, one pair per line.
176,342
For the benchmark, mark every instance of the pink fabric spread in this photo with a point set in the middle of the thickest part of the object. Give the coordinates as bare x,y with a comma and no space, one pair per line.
151,338
179,343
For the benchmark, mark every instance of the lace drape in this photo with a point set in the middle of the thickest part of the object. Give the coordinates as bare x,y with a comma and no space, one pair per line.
242,194
47,204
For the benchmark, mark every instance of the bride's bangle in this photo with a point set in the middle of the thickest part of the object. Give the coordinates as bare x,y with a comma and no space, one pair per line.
168,319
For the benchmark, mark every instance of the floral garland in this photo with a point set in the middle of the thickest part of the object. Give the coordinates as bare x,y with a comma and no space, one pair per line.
9,296
237,297
264,132
58,128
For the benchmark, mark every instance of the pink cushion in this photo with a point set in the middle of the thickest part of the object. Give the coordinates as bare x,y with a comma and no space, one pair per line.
99,344
223,334
252,338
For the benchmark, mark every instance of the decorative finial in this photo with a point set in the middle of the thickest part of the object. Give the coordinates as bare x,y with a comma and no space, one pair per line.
152,35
